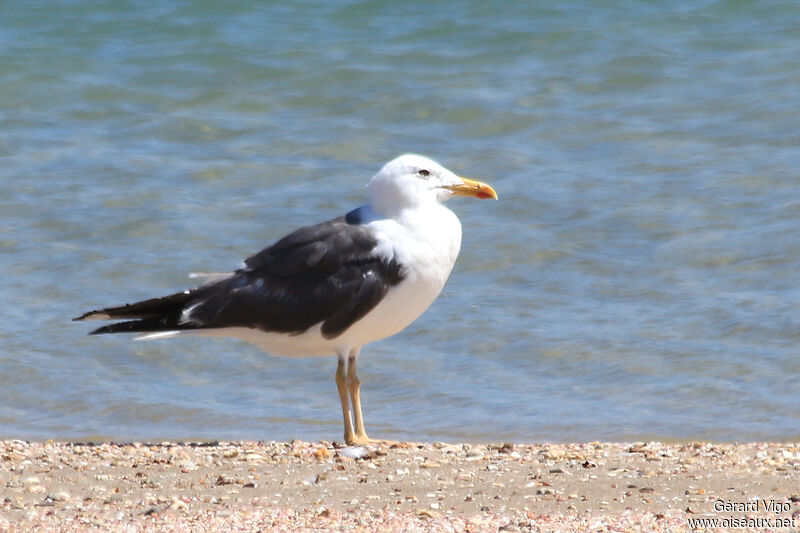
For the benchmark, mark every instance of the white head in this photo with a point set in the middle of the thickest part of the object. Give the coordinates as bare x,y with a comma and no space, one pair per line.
412,181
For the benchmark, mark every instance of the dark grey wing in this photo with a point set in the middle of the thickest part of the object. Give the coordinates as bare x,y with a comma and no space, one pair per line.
326,273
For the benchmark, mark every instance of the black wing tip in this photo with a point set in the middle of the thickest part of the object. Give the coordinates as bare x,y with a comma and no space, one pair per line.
100,331
144,325
134,326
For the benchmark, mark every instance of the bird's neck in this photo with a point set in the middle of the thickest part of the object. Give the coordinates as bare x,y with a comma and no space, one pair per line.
398,209
433,226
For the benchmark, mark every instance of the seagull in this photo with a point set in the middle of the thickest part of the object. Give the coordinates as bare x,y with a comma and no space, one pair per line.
330,288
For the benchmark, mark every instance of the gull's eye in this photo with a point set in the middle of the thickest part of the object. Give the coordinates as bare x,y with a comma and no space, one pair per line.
424,173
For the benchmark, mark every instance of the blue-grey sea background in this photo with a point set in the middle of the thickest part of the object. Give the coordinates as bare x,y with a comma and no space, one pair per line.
637,279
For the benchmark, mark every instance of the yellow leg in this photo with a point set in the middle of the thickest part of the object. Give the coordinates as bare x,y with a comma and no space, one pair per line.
341,384
354,386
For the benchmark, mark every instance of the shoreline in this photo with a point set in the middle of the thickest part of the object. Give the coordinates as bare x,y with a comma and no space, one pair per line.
408,486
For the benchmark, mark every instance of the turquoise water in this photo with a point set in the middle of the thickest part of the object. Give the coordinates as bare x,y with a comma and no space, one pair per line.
637,278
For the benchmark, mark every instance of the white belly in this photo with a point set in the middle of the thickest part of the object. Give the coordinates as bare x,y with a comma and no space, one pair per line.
401,306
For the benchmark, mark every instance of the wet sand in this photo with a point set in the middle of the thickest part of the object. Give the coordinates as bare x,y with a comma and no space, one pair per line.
231,486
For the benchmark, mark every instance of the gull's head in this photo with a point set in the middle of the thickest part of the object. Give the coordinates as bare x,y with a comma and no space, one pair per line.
413,180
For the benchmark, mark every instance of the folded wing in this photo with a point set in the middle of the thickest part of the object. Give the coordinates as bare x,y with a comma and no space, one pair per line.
328,273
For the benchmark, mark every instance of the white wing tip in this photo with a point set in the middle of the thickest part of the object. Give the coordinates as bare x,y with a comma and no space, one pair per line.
209,276
156,336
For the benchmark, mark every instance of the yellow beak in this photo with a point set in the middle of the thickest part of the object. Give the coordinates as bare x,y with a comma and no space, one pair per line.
474,188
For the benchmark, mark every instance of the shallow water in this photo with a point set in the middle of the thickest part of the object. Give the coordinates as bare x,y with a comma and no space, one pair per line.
637,278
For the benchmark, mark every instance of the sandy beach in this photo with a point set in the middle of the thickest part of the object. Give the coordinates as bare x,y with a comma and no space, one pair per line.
249,486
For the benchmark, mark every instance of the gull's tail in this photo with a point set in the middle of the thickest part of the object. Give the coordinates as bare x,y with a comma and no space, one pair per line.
147,316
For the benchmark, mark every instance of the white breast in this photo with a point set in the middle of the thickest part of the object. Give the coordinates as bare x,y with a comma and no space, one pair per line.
426,241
